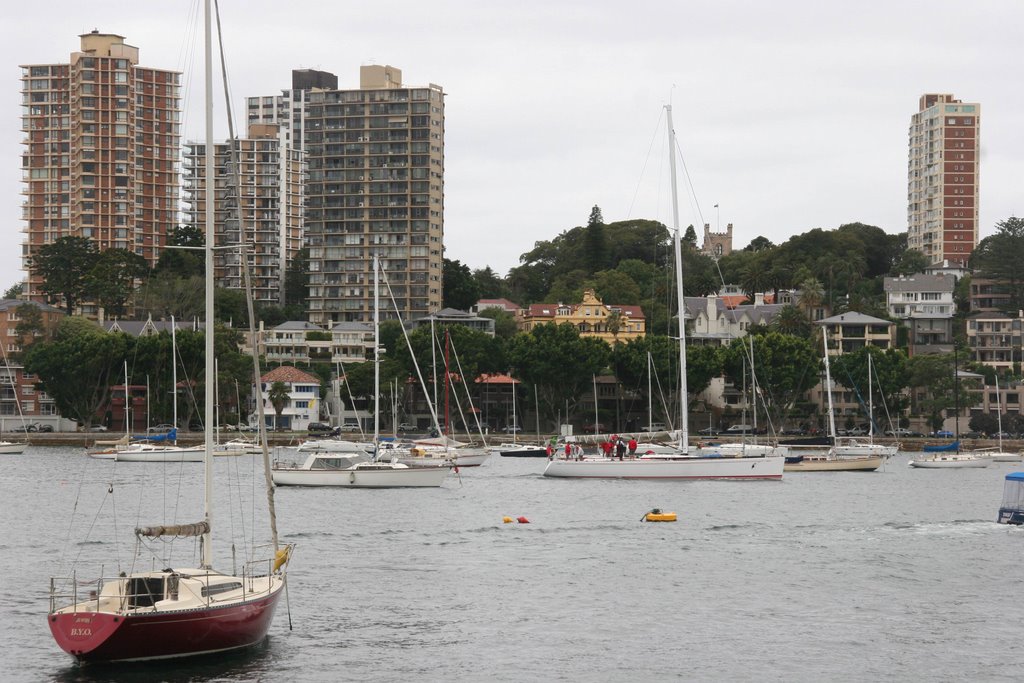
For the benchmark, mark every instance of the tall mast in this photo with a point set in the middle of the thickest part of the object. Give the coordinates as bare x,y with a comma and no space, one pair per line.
871,404
206,555
684,437
650,398
515,419
376,356
174,376
828,387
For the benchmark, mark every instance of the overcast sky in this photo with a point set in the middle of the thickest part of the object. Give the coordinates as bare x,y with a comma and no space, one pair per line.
790,115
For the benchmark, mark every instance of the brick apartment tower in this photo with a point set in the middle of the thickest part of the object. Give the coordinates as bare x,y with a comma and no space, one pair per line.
271,178
102,138
942,179
375,157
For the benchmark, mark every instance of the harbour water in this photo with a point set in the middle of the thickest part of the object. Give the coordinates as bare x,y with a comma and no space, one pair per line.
895,575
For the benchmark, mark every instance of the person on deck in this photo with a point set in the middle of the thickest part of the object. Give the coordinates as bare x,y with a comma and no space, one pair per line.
620,448
632,447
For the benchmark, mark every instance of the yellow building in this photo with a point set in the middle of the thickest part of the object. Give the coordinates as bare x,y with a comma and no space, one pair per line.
591,317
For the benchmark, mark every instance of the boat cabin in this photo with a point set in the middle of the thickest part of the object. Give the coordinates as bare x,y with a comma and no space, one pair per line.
1011,511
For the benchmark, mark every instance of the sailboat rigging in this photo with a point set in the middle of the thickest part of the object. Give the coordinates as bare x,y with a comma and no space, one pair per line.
176,612
678,462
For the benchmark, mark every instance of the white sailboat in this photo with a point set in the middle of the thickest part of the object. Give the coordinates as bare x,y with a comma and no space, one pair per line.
680,464
357,468
12,447
839,457
181,611
999,455
951,459
853,448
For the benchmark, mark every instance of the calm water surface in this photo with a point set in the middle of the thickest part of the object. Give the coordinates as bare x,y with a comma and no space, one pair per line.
896,575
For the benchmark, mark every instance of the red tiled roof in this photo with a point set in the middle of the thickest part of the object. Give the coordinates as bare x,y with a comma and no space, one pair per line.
496,378
290,375
504,303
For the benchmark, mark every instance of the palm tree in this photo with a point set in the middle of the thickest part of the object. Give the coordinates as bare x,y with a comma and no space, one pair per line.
811,295
278,397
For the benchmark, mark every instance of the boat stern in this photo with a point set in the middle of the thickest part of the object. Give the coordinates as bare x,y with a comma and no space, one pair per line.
82,633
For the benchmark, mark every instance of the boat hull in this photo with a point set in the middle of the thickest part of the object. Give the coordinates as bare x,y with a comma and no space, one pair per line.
363,478
858,464
13,448
949,462
112,637
187,455
459,460
666,468
1005,457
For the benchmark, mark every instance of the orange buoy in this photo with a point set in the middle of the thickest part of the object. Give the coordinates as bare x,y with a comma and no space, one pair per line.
506,520
522,520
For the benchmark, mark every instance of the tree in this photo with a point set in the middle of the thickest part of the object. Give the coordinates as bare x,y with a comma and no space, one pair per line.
931,376
489,284
811,295
14,291
64,266
560,363
183,263
888,383
595,245
1000,256
910,262
111,280
791,320
78,367
759,243
786,367
459,289
504,322
690,236
279,397
30,325
296,282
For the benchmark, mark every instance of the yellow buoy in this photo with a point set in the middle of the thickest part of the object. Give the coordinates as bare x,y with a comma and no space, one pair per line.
657,515
507,520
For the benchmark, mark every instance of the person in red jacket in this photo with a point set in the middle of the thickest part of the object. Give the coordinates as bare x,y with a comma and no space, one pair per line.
632,447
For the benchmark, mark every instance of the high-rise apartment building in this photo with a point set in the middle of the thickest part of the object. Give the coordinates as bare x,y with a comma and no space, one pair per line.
942,179
102,138
375,187
268,190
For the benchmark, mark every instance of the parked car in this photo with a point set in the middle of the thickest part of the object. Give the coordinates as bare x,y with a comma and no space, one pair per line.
942,434
739,429
708,431
794,431
655,427
407,427
320,427
510,429
350,426
902,432
98,428
160,429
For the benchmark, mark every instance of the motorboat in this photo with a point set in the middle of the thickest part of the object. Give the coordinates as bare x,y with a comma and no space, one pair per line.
356,470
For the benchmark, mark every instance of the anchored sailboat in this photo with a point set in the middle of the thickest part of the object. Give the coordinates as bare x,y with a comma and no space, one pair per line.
176,612
679,463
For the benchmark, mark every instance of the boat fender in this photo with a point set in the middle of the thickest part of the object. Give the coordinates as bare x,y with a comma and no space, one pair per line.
281,557
506,520
522,520
351,477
